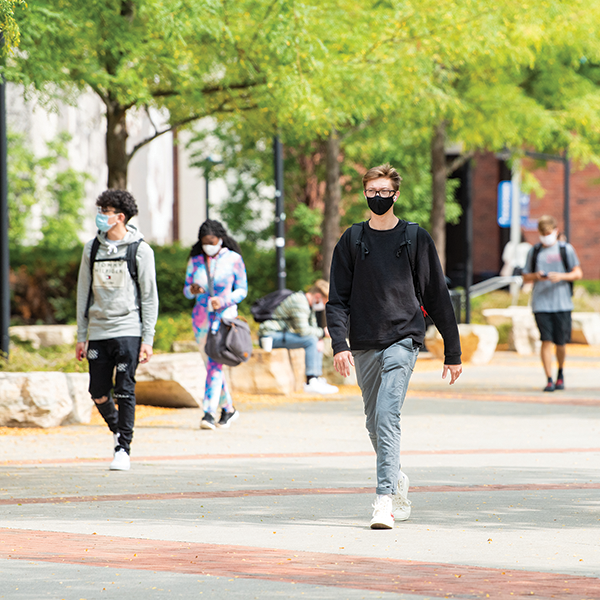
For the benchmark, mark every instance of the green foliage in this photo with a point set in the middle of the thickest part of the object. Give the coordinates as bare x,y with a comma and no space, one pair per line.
262,271
23,358
8,25
171,328
39,184
592,286
44,286
171,262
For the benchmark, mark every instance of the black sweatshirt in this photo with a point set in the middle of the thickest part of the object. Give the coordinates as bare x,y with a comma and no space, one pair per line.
376,294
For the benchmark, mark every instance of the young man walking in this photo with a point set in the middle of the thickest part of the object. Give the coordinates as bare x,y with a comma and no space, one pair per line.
552,267
373,302
117,307
294,325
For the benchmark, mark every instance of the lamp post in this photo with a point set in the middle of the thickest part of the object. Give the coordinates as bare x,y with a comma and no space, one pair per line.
4,257
279,213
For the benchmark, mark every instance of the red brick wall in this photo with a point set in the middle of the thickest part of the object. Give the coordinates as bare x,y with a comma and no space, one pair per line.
584,209
486,233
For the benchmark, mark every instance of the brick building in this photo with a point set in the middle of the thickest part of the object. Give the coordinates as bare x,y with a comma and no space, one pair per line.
489,238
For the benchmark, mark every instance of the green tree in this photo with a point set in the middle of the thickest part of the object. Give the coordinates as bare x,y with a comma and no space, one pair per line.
40,182
192,58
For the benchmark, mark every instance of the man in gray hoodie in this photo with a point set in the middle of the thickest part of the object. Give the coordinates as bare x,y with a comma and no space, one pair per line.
117,308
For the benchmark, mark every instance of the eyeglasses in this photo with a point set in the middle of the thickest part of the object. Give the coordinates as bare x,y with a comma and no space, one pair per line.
382,193
110,211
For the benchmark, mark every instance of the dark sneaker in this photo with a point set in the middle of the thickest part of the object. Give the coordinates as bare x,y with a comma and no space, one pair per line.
550,387
208,422
560,384
227,418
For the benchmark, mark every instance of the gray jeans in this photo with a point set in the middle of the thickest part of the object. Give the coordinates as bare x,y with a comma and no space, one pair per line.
383,377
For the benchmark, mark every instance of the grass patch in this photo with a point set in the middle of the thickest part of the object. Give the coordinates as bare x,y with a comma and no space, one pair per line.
24,358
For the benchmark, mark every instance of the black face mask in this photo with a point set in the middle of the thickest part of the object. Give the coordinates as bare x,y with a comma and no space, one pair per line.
380,205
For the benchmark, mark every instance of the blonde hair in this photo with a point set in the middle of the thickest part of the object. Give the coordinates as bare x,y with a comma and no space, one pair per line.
383,171
546,224
320,286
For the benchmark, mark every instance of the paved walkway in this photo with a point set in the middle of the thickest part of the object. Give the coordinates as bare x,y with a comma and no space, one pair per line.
505,486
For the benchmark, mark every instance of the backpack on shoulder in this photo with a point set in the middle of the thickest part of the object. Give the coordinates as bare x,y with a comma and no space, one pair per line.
262,310
130,257
563,256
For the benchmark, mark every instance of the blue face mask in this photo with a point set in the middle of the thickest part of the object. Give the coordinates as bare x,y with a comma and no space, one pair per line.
102,222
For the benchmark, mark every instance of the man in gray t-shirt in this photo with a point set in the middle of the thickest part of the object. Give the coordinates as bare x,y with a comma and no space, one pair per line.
556,267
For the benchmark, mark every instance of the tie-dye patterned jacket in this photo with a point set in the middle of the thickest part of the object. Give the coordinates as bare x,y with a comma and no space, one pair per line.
229,280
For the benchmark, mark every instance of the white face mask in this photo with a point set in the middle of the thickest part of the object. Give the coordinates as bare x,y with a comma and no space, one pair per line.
318,306
550,239
212,250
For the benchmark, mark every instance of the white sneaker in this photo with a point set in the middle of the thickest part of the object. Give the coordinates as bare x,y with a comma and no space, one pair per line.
383,517
121,461
318,385
400,499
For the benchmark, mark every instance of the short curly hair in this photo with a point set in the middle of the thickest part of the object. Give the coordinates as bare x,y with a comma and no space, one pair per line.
121,200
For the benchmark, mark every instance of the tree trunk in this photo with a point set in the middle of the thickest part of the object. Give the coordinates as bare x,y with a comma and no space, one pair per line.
116,145
333,197
438,204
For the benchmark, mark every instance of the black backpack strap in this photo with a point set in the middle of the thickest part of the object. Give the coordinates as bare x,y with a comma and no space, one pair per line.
536,250
93,252
410,240
356,235
133,270
565,262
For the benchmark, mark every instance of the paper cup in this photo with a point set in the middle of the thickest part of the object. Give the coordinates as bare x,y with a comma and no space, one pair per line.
266,343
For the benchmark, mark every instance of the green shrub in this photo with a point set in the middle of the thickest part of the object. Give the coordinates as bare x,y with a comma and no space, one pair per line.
44,286
171,328
592,286
171,262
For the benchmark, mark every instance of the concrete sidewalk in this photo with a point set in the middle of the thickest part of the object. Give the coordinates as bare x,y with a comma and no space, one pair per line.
505,486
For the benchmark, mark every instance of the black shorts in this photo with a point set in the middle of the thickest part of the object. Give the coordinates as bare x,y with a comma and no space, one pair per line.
554,326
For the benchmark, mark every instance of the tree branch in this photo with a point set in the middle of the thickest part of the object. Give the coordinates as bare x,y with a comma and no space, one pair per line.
459,161
210,90
185,121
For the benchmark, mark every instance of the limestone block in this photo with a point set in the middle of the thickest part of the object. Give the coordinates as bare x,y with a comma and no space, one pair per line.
45,335
478,342
185,346
83,405
174,380
524,336
585,328
36,399
280,371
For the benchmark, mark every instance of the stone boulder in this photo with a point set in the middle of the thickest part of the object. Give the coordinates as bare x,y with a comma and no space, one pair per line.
585,328
478,343
45,335
174,380
524,336
280,371
44,399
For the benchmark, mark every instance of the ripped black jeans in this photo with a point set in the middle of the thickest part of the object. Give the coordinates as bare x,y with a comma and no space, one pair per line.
118,356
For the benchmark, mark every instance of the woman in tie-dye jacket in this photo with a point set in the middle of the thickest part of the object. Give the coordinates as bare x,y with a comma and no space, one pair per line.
220,253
